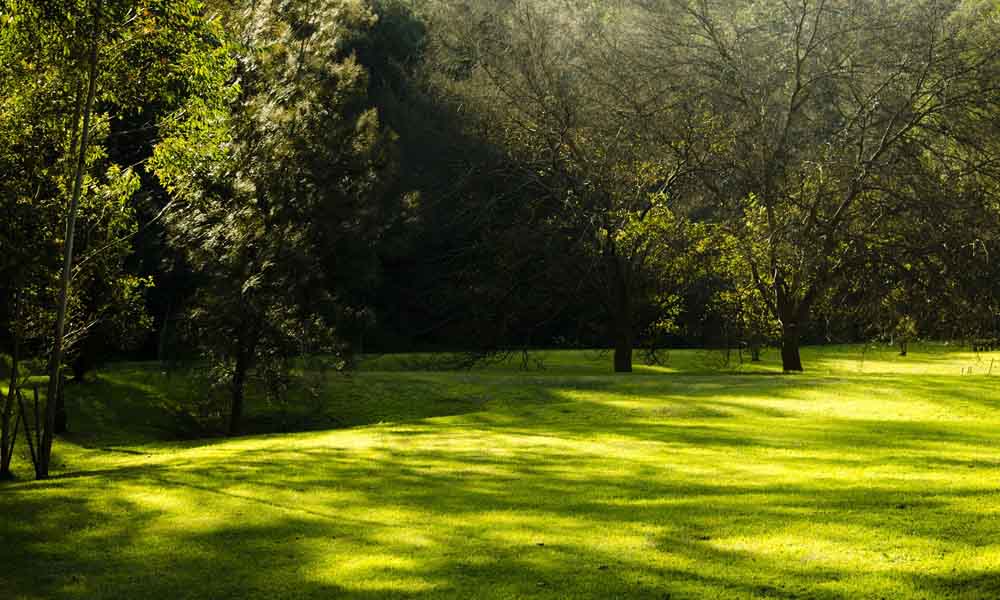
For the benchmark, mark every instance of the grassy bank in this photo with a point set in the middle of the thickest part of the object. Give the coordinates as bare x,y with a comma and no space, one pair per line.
870,476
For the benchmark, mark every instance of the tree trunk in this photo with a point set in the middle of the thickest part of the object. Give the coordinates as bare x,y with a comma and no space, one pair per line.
55,360
623,349
6,435
621,319
61,423
790,359
239,389
161,348
624,339
902,348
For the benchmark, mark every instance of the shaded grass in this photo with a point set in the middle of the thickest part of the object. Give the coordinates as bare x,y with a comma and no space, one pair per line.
564,483
924,359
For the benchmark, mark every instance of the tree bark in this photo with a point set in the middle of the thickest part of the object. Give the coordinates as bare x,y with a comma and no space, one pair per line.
62,419
790,359
55,360
161,348
623,349
624,338
620,305
239,390
6,436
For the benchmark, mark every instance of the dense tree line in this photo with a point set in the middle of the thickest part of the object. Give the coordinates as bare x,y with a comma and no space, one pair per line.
253,182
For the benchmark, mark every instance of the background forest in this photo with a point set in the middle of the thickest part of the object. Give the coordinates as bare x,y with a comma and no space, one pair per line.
256,185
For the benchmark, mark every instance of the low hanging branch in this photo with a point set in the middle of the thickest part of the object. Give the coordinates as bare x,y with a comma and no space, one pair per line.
119,241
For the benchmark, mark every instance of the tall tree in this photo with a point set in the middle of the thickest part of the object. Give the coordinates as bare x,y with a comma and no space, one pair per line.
555,87
817,106
68,73
274,180
85,107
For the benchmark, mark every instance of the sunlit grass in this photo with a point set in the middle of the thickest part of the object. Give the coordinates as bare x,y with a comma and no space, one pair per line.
879,480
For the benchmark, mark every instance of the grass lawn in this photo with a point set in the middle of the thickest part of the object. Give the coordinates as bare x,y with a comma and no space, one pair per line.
868,477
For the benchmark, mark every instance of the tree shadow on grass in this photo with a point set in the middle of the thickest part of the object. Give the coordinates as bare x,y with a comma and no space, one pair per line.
655,491
418,522
137,404
69,550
